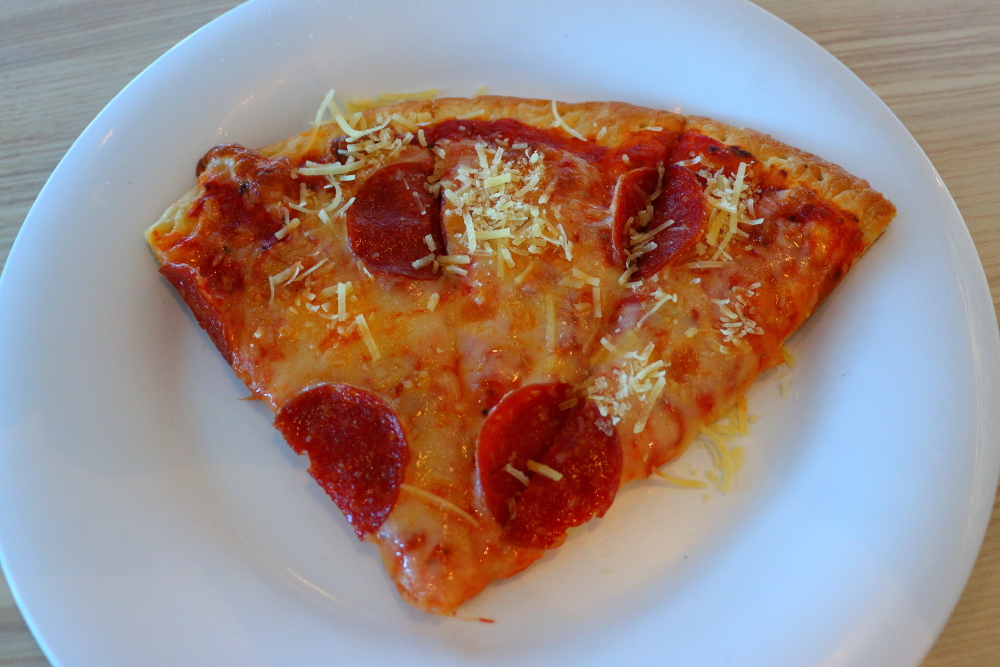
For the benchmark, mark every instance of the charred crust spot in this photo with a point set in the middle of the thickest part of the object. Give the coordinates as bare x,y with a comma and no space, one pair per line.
202,164
441,553
741,152
338,144
415,541
764,233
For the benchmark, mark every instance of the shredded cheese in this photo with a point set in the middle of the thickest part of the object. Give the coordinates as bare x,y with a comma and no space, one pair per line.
423,261
641,239
366,335
405,123
343,289
544,470
521,277
443,503
516,474
450,260
661,298
741,415
287,275
432,302
681,481
305,273
559,122
470,114
590,280
550,323
499,205
735,321
289,226
638,381
789,359
721,456
732,201
706,265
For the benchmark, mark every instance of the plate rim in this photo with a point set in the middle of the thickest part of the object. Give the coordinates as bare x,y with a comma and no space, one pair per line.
978,305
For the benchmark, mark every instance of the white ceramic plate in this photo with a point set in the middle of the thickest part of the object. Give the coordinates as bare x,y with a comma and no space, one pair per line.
149,517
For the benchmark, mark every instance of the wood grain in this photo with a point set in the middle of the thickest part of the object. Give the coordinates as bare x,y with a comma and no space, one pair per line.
936,63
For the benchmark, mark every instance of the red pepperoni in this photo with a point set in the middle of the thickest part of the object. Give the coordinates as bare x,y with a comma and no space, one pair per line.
391,216
528,424
204,303
714,154
683,201
520,426
245,187
644,149
631,196
514,131
356,448
588,454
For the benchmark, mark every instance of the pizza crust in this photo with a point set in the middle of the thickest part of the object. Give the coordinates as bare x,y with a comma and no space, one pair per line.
798,168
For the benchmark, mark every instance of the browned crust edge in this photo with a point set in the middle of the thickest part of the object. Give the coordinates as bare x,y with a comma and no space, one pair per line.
831,182
801,169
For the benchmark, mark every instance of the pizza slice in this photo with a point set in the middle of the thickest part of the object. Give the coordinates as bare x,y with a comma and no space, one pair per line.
479,318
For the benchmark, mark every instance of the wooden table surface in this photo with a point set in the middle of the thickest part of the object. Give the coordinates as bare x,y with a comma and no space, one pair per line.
935,62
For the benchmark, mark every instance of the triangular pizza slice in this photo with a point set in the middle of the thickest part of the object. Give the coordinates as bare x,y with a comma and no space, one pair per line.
481,317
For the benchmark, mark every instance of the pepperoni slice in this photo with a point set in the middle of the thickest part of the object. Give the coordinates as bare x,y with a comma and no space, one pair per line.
588,454
204,303
356,448
528,424
244,187
391,216
714,154
521,426
683,201
631,196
